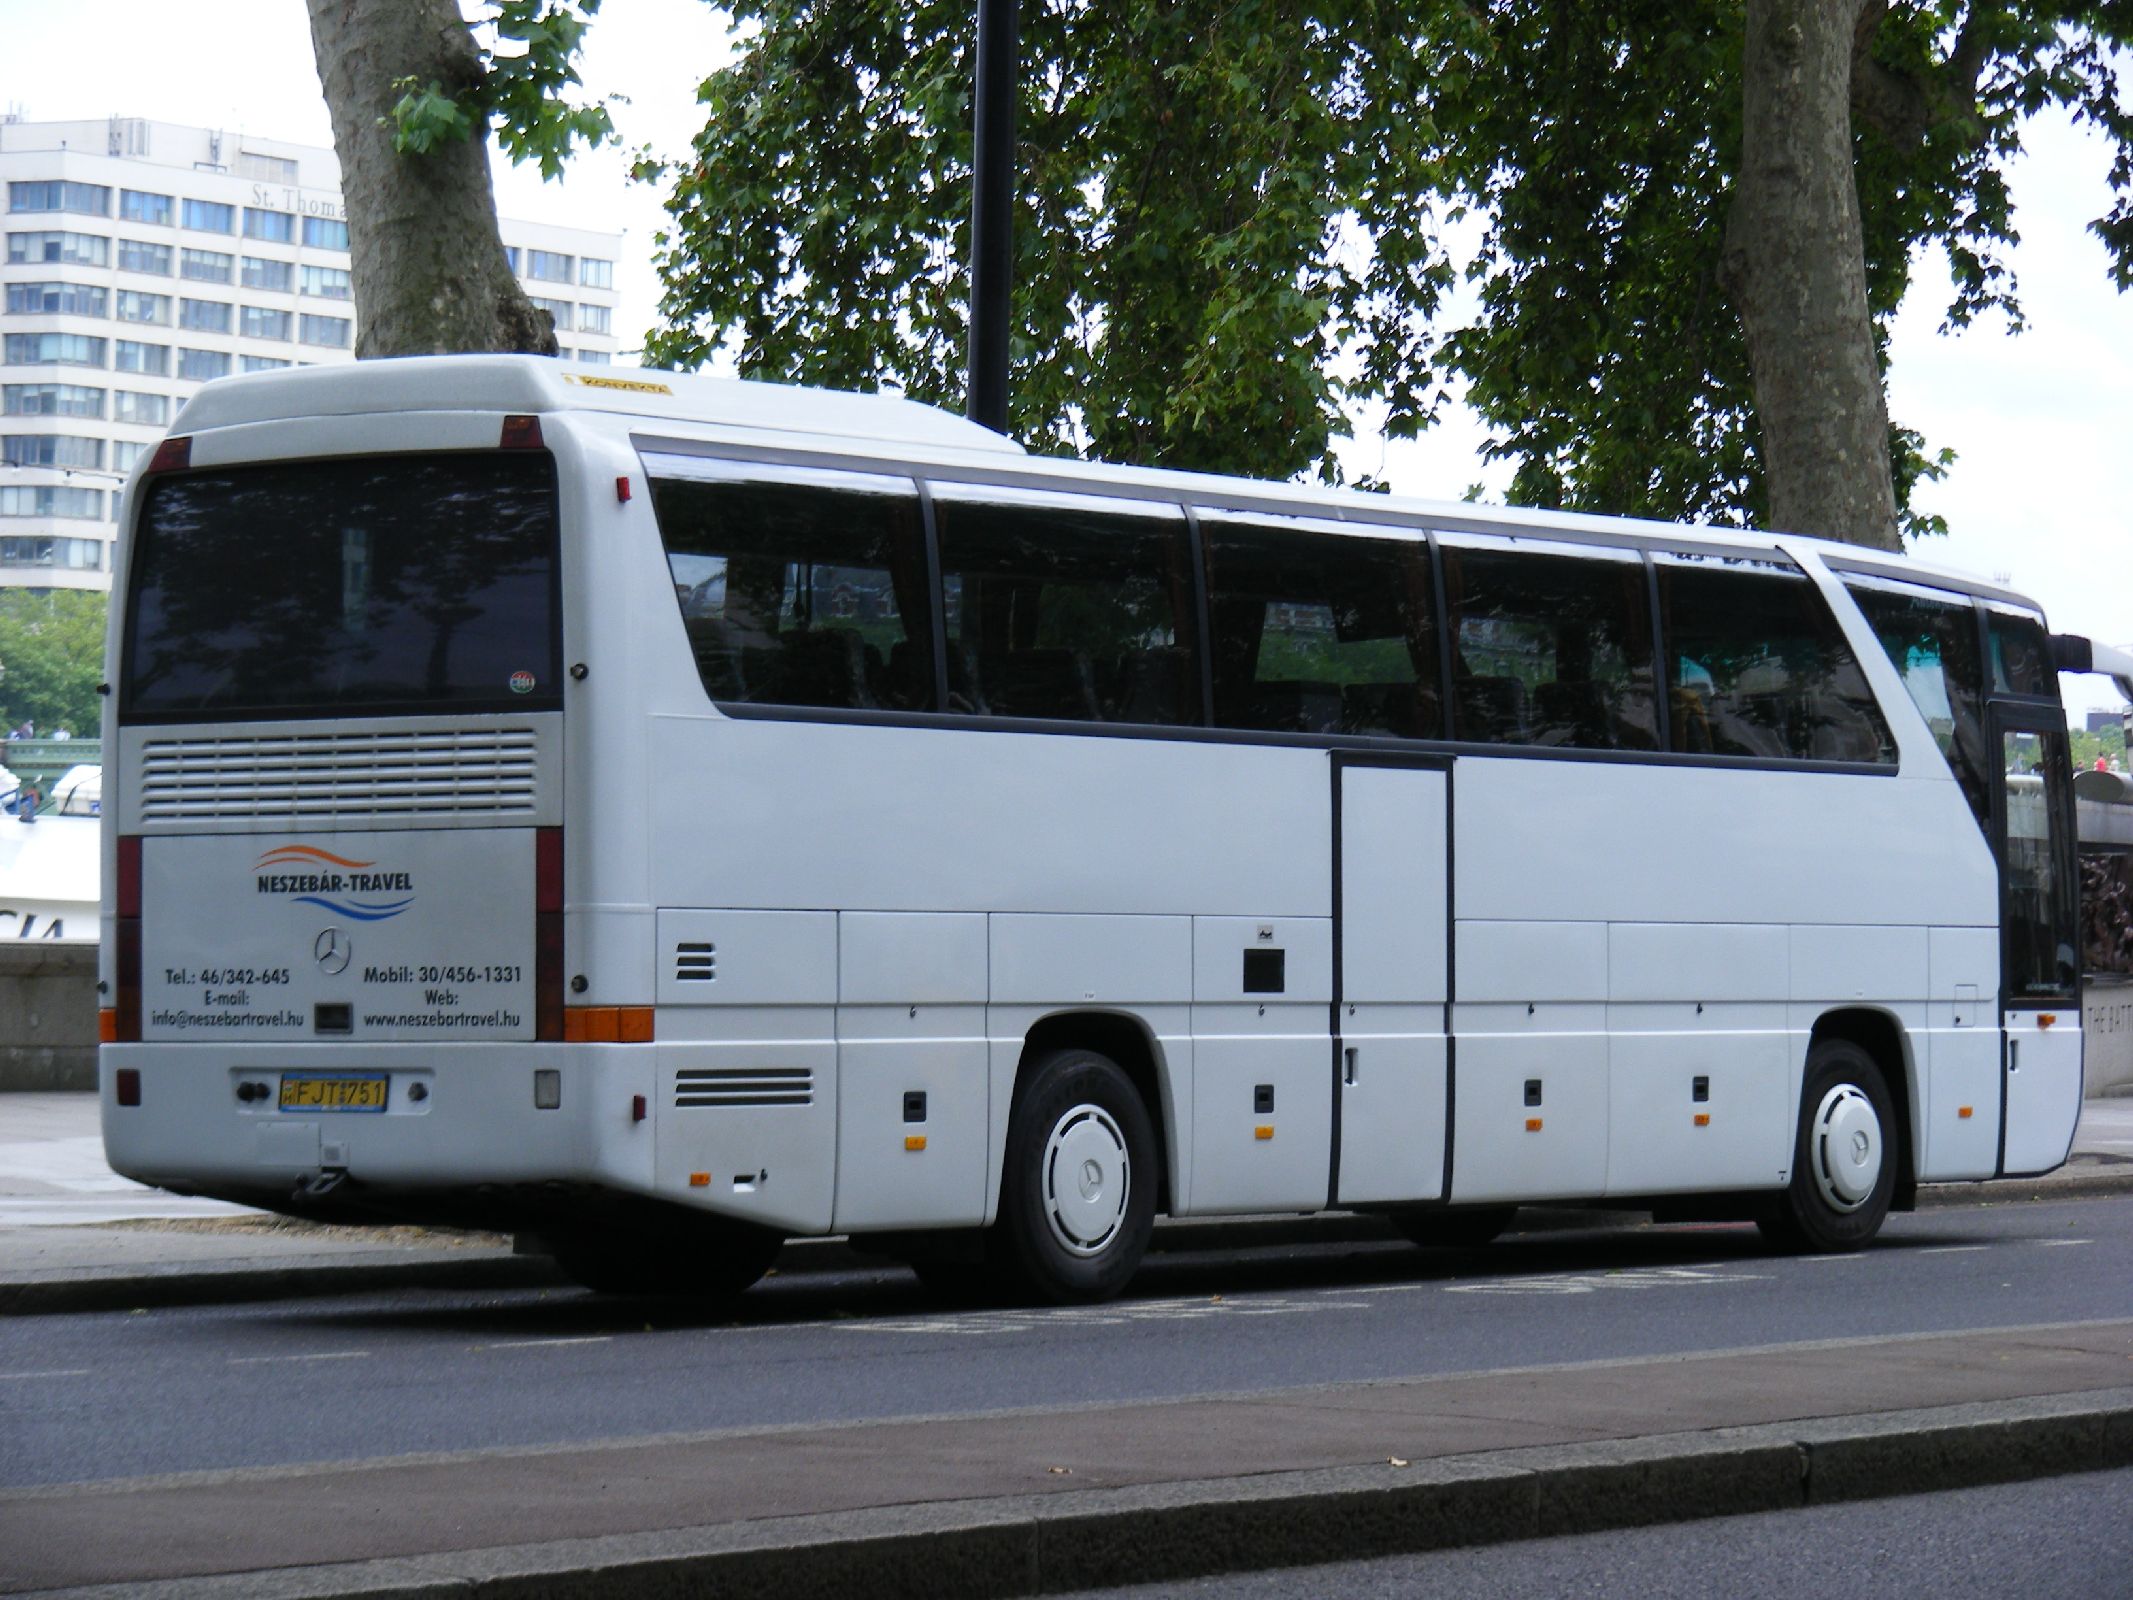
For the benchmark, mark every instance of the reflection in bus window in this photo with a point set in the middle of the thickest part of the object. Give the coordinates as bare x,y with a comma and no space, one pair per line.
1550,649
1756,665
800,588
1075,610
1931,640
1318,632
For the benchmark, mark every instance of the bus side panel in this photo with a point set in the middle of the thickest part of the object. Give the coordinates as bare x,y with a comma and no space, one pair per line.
2043,1088
1959,1109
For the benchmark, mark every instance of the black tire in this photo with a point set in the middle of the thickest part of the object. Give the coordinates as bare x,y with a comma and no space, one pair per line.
1460,1228
709,1259
1844,1157
1077,1194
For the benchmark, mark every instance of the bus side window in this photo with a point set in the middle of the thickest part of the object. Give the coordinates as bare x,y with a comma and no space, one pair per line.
798,587
1321,631
1756,665
1931,640
1073,610
1550,648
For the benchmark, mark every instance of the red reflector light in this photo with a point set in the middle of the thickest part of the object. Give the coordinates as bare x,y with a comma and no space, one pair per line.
129,876
548,933
172,455
622,489
520,433
126,939
126,1086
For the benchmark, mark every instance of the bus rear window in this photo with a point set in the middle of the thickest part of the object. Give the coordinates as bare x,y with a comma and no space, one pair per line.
375,585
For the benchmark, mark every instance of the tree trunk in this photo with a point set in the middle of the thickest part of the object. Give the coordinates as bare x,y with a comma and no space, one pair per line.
1795,267
429,269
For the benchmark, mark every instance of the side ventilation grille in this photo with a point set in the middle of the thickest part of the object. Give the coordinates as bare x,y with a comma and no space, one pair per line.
744,1086
441,772
695,962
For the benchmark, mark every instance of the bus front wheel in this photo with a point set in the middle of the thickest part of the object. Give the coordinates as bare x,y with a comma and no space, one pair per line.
1077,1201
1843,1159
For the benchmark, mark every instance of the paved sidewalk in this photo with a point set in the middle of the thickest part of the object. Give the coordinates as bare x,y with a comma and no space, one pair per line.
1029,1501
76,1236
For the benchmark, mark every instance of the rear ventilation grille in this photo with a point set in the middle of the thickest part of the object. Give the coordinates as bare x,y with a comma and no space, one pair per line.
695,962
744,1086
445,772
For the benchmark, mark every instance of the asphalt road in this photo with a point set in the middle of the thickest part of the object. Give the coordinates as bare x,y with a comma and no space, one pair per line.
94,1397
2053,1539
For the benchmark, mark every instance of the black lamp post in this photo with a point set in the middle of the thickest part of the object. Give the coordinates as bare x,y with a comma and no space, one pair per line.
992,268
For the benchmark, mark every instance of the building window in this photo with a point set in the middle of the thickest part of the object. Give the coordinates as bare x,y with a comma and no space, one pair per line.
261,363
135,306
324,330
126,454
51,400
511,255
559,309
52,450
279,276
54,350
69,249
86,199
325,233
198,366
269,169
593,273
593,319
128,406
151,359
257,322
549,266
84,555
204,316
138,255
63,299
206,266
329,283
138,205
50,500
596,358
210,216
276,227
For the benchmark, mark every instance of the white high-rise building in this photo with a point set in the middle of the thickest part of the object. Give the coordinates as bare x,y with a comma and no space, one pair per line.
144,258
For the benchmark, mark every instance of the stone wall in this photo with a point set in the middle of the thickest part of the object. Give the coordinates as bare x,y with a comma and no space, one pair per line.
2107,1036
47,1014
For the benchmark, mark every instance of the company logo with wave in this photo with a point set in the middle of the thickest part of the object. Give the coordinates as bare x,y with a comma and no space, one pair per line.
353,889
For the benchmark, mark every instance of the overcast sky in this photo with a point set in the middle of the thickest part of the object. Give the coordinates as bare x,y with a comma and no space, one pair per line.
2038,495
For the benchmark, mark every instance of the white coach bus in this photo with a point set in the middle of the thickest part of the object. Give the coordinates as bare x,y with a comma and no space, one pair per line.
669,816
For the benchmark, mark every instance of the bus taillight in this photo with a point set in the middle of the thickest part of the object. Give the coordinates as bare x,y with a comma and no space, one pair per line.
172,455
126,1025
548,933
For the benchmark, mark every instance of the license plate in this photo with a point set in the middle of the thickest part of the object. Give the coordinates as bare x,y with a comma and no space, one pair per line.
338,1091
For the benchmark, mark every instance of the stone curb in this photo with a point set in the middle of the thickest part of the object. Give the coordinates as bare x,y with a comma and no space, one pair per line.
205,1284
980,1549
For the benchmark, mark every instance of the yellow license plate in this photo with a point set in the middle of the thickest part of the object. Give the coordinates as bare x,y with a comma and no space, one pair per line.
308,1091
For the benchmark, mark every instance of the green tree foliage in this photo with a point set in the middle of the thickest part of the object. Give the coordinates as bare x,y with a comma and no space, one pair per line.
1223,226
1599,143
51,660
521,93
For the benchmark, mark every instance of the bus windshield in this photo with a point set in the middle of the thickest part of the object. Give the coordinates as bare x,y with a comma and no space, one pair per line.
372,585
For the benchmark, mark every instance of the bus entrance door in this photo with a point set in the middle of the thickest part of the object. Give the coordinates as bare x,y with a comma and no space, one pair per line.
2040,994
1392,875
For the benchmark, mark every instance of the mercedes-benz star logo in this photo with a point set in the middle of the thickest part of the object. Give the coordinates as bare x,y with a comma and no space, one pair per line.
333,950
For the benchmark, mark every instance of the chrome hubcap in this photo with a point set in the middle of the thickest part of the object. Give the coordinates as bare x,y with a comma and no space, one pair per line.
1086,1180
1846,1149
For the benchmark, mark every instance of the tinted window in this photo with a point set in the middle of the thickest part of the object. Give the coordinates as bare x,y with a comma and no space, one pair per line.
1068,609
2037,880
1756,665
1550,647
2021,654
798,588
1931,640
404,583
1321,631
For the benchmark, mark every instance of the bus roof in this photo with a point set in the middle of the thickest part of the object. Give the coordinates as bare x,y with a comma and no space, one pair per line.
889,425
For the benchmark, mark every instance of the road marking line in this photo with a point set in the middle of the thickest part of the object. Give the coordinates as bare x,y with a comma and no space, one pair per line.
1829,1260
544,1344
322,1355
56,1372
1953,1249
2061,1243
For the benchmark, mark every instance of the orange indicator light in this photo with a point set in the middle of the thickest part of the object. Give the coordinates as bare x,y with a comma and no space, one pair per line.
1703,1119
1265,1130
1962,1112
2046,1018
1533,1124
914,1141
699,1180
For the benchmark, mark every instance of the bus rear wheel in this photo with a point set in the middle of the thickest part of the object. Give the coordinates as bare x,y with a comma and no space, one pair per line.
1077,1198
704,1259
1844,1158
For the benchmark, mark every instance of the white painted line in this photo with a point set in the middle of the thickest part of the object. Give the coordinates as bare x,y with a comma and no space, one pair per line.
322,1355
56,1372
1853,1256
1953,1249
546,1344
2061,1243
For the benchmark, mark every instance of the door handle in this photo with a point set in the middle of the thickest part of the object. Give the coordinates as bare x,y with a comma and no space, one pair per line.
2014,1055
1349,1055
